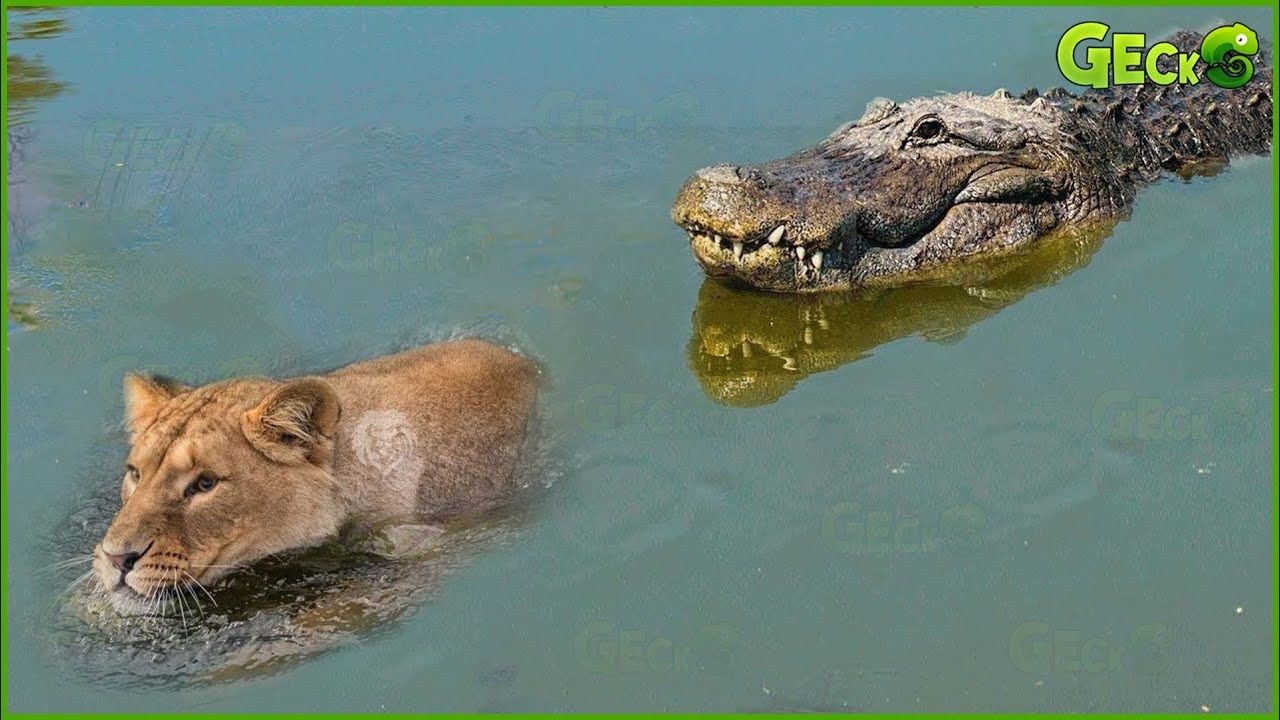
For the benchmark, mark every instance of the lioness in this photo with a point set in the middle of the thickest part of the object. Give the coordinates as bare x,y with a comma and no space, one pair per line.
225,474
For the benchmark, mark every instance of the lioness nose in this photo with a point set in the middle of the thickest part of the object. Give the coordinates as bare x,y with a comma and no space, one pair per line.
125,561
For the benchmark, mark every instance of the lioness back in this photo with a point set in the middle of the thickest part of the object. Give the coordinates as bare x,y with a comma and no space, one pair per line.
437,429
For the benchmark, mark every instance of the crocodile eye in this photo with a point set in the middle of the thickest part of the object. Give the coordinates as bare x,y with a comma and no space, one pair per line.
1242,40
202,484
928,128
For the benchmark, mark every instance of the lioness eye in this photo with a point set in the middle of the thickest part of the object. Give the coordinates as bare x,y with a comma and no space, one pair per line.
927,129
131,473
204,483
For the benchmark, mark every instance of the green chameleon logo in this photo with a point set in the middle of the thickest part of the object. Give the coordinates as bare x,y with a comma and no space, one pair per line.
1226,50
1223,58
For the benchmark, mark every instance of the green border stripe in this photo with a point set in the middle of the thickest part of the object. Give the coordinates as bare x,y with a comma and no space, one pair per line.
1275,321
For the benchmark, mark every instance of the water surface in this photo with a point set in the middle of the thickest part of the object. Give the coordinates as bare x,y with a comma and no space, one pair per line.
1048,494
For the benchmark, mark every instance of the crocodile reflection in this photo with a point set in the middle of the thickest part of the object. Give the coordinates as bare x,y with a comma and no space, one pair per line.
750,348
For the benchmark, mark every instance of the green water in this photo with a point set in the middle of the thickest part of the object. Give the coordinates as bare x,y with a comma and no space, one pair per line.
1051,493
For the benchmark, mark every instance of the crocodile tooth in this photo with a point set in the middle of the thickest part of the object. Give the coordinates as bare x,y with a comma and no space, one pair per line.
800,251
775,237
737,250
817,259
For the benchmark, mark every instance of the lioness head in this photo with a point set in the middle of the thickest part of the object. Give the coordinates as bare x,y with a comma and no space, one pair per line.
217,477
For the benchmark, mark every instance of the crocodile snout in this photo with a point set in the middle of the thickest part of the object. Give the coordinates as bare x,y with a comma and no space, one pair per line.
721,174
725,201
756,224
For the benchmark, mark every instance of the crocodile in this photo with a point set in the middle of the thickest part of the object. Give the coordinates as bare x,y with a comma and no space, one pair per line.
909,192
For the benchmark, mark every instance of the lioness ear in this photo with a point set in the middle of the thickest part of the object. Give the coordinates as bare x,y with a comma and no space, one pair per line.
295,423
143,397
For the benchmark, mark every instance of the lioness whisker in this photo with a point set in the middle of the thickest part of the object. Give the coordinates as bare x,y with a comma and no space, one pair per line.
148,606
175,597
164,603
187,589
153,603
202,588
53,567
71,586
181,592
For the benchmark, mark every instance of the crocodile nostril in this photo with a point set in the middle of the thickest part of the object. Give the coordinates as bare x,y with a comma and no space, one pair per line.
724,174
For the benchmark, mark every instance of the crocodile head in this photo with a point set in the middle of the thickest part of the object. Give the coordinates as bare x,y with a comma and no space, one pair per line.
911,193
887,199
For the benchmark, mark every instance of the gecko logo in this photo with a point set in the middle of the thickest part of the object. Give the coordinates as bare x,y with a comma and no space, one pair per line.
1225,53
